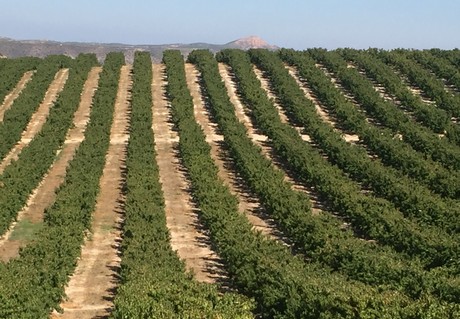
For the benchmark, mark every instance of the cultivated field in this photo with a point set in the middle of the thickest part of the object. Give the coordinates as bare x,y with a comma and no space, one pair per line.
249,184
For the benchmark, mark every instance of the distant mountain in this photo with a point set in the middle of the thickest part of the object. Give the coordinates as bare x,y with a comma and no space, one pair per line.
41,48
251,42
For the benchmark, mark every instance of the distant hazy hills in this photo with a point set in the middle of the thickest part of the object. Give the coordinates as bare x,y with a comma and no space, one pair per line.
41,48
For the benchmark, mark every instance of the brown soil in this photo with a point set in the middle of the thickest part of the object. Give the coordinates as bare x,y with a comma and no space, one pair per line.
320,109
262,140
44,195
346,93
38,118
318,206
418,92
378,88
13,95
92,286
284,118
247,203
187,237
415,90
384,94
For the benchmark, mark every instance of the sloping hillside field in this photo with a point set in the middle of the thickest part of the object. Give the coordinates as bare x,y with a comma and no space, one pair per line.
246,184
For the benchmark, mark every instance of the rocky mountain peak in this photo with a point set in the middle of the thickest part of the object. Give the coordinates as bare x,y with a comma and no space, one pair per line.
251,42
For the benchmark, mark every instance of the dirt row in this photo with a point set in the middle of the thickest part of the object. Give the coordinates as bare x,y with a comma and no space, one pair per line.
243,115
187,235
44,195
38,118
92,286
418,92
348,95
384,94
284,118
248,204
320,109
13,95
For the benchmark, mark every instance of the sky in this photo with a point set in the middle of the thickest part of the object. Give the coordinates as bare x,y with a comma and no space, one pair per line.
287,23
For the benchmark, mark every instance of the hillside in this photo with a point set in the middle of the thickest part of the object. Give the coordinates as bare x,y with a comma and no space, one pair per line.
245,184
40,48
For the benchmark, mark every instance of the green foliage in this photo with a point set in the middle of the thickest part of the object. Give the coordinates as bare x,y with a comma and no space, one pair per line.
410,272
33,284
391,151
386,113
154,281
25,230
431,84
300,290
414,200
373,217
11,71
432,117
318,237
22,176
18,116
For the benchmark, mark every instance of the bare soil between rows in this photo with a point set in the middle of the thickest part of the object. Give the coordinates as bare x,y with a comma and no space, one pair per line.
248,203
320,109
38,118
14,94
264,144
44,195
188,237
92,287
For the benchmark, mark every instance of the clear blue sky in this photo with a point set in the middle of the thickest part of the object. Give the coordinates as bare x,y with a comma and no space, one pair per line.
295,24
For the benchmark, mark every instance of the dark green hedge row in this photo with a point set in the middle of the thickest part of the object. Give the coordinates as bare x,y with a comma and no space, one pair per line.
15,119
11,71
309,292
21,177
373,217
414,200
429,115
392,152
388,114
154,283
33,284
431,85
440,66
318,237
